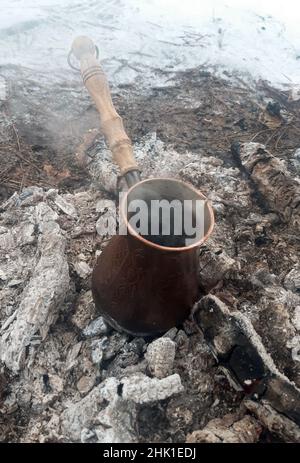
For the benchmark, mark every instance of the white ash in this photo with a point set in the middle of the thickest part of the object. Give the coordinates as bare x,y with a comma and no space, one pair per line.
45,270
45,393
296,160
110,423
116,423
83,414
279,306
67,207
86,383
88,436
296,318
84,310
106,223
262,278
158,160
294,345
292,280
215,265
68,360
73,353
142,389
9,405
82,269
160,356
150,152
103,171
97,352
3,90
171,333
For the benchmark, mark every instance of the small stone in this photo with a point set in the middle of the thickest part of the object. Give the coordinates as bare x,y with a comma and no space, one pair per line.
160,356
97,352
82,269
85,384
97,327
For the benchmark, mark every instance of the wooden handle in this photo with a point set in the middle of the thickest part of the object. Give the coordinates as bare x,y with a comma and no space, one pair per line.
110,121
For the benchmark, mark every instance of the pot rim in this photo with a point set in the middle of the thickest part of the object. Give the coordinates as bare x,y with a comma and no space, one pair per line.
134,233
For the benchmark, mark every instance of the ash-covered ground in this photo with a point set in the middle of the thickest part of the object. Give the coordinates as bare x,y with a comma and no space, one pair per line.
65,374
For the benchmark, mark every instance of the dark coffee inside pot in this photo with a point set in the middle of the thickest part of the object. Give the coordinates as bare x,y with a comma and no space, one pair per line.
167,213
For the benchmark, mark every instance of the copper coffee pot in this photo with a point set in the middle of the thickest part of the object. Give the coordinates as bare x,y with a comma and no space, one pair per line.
141,284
